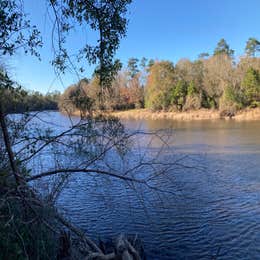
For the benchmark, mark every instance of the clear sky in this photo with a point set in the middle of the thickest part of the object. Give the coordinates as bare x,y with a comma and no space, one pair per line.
165,29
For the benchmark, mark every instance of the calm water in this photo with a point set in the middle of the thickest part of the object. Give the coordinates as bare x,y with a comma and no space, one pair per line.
213,210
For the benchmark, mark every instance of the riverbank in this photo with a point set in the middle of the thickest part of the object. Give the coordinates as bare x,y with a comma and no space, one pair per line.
202,114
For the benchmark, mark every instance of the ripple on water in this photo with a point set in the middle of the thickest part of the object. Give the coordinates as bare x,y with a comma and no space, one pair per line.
216,209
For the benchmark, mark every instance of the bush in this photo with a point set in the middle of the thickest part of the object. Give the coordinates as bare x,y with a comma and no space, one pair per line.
229,102
255,104
158,101
24,231
193,100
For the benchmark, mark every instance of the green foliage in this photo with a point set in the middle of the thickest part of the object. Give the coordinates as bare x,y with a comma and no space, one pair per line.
107,18
178,94
230,100
203,55
150,64
255,104
191,90
188,85
15,99
143,63
159,84
132,67
80,100
158,101
193,98
252,47
208,101
251,86
16,31
25,228
76,97
230,94
223,48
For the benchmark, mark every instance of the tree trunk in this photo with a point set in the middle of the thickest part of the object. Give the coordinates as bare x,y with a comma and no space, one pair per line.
18,178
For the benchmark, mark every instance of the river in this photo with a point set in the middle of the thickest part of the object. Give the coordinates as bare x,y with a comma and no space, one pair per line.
213,210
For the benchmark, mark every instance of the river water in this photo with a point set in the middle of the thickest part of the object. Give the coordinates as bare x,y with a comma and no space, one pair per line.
213,211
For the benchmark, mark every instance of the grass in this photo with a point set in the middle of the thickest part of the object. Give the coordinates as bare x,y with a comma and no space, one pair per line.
201,114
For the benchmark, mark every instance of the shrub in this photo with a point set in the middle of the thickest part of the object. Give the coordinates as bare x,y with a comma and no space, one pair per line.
193,99
229,101
25,229
192,102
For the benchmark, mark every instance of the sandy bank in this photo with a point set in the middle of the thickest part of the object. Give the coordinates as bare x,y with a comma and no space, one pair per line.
202,114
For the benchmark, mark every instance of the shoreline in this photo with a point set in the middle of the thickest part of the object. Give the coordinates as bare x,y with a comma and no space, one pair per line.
193,115
252,114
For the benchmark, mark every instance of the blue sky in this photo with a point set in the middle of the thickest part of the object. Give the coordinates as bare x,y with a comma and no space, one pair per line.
166,29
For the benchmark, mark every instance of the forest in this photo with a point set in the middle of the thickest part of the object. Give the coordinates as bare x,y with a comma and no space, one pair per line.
27,101
219,81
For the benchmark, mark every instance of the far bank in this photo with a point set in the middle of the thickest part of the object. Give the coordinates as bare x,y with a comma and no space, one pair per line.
201,114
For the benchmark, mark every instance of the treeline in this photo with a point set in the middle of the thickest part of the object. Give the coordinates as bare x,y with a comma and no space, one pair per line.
217,81
18,100
25,101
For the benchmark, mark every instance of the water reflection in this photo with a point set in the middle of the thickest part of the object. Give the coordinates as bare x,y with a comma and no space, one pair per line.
221,136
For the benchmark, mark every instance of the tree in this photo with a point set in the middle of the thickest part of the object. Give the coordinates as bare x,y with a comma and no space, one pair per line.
150,64
223,48
16,32
178,94
193,98
136,92
81,100
161,80
132,66
218,72
230,101
251,86
203,55
244,64
120,97
143,63
252,47
106,17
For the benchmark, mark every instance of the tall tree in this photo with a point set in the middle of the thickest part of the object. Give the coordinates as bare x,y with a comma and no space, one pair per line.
252,47
218,72
143,63
132,67
223,48
160,82
178,95
251,86
150,64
